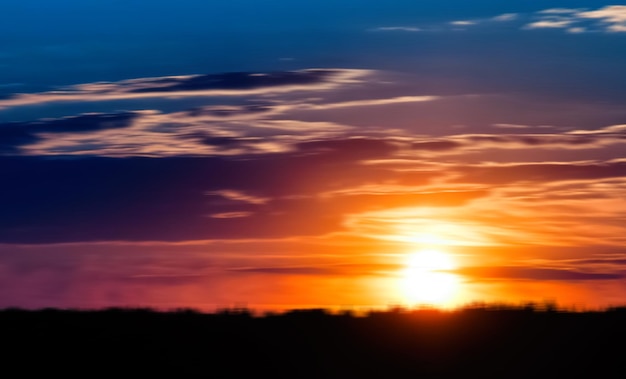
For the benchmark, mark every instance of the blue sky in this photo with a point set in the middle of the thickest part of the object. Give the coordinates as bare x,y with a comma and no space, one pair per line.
224,140
72,42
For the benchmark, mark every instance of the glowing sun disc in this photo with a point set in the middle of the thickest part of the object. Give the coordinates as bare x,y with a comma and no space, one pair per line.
424,280
430,260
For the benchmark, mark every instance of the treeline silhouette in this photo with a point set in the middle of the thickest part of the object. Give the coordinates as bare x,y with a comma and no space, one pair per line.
476,341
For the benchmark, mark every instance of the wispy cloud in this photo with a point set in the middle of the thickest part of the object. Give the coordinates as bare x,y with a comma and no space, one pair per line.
234,195
460,144
370,102
549,24
558,11
612,14
463,23
229,84
577,30
450,25
258,126
263,128
611,18
397,29
535,273
156,136
520,126
505,17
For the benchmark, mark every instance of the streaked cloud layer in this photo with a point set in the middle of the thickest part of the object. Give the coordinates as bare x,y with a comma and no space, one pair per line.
610,18
485,132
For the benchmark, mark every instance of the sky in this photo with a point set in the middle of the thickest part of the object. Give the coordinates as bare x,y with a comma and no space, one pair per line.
289,154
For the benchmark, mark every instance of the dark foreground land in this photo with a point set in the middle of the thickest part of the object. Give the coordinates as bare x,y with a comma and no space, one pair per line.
480,342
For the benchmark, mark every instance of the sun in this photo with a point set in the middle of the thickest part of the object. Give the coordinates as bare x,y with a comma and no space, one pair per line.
430,260
426,278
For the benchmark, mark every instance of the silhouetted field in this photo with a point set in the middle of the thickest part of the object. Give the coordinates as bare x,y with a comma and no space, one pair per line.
476,342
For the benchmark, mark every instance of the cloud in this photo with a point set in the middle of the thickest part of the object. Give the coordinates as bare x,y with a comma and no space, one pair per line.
549,24
515,126
254,128
577,139
224,112
231,215
577,30
619,129
298,270
558,11
437,145
618,28
598,263
315,186
613,14
370,102
177,199
463,23
237,196
564,204
610,18
614,262
566,141
14,135
227,84
333,269
351,148
226,81
467,143
542,172
209,131
397,29
258,128
505,17
535,273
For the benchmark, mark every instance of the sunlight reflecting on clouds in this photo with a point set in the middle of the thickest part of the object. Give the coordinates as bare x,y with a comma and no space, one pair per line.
425,226
433,232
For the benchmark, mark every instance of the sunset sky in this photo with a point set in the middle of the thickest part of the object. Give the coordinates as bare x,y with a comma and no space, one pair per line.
286,154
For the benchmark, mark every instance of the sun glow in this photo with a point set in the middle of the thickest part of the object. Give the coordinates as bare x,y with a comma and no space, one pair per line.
425,279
